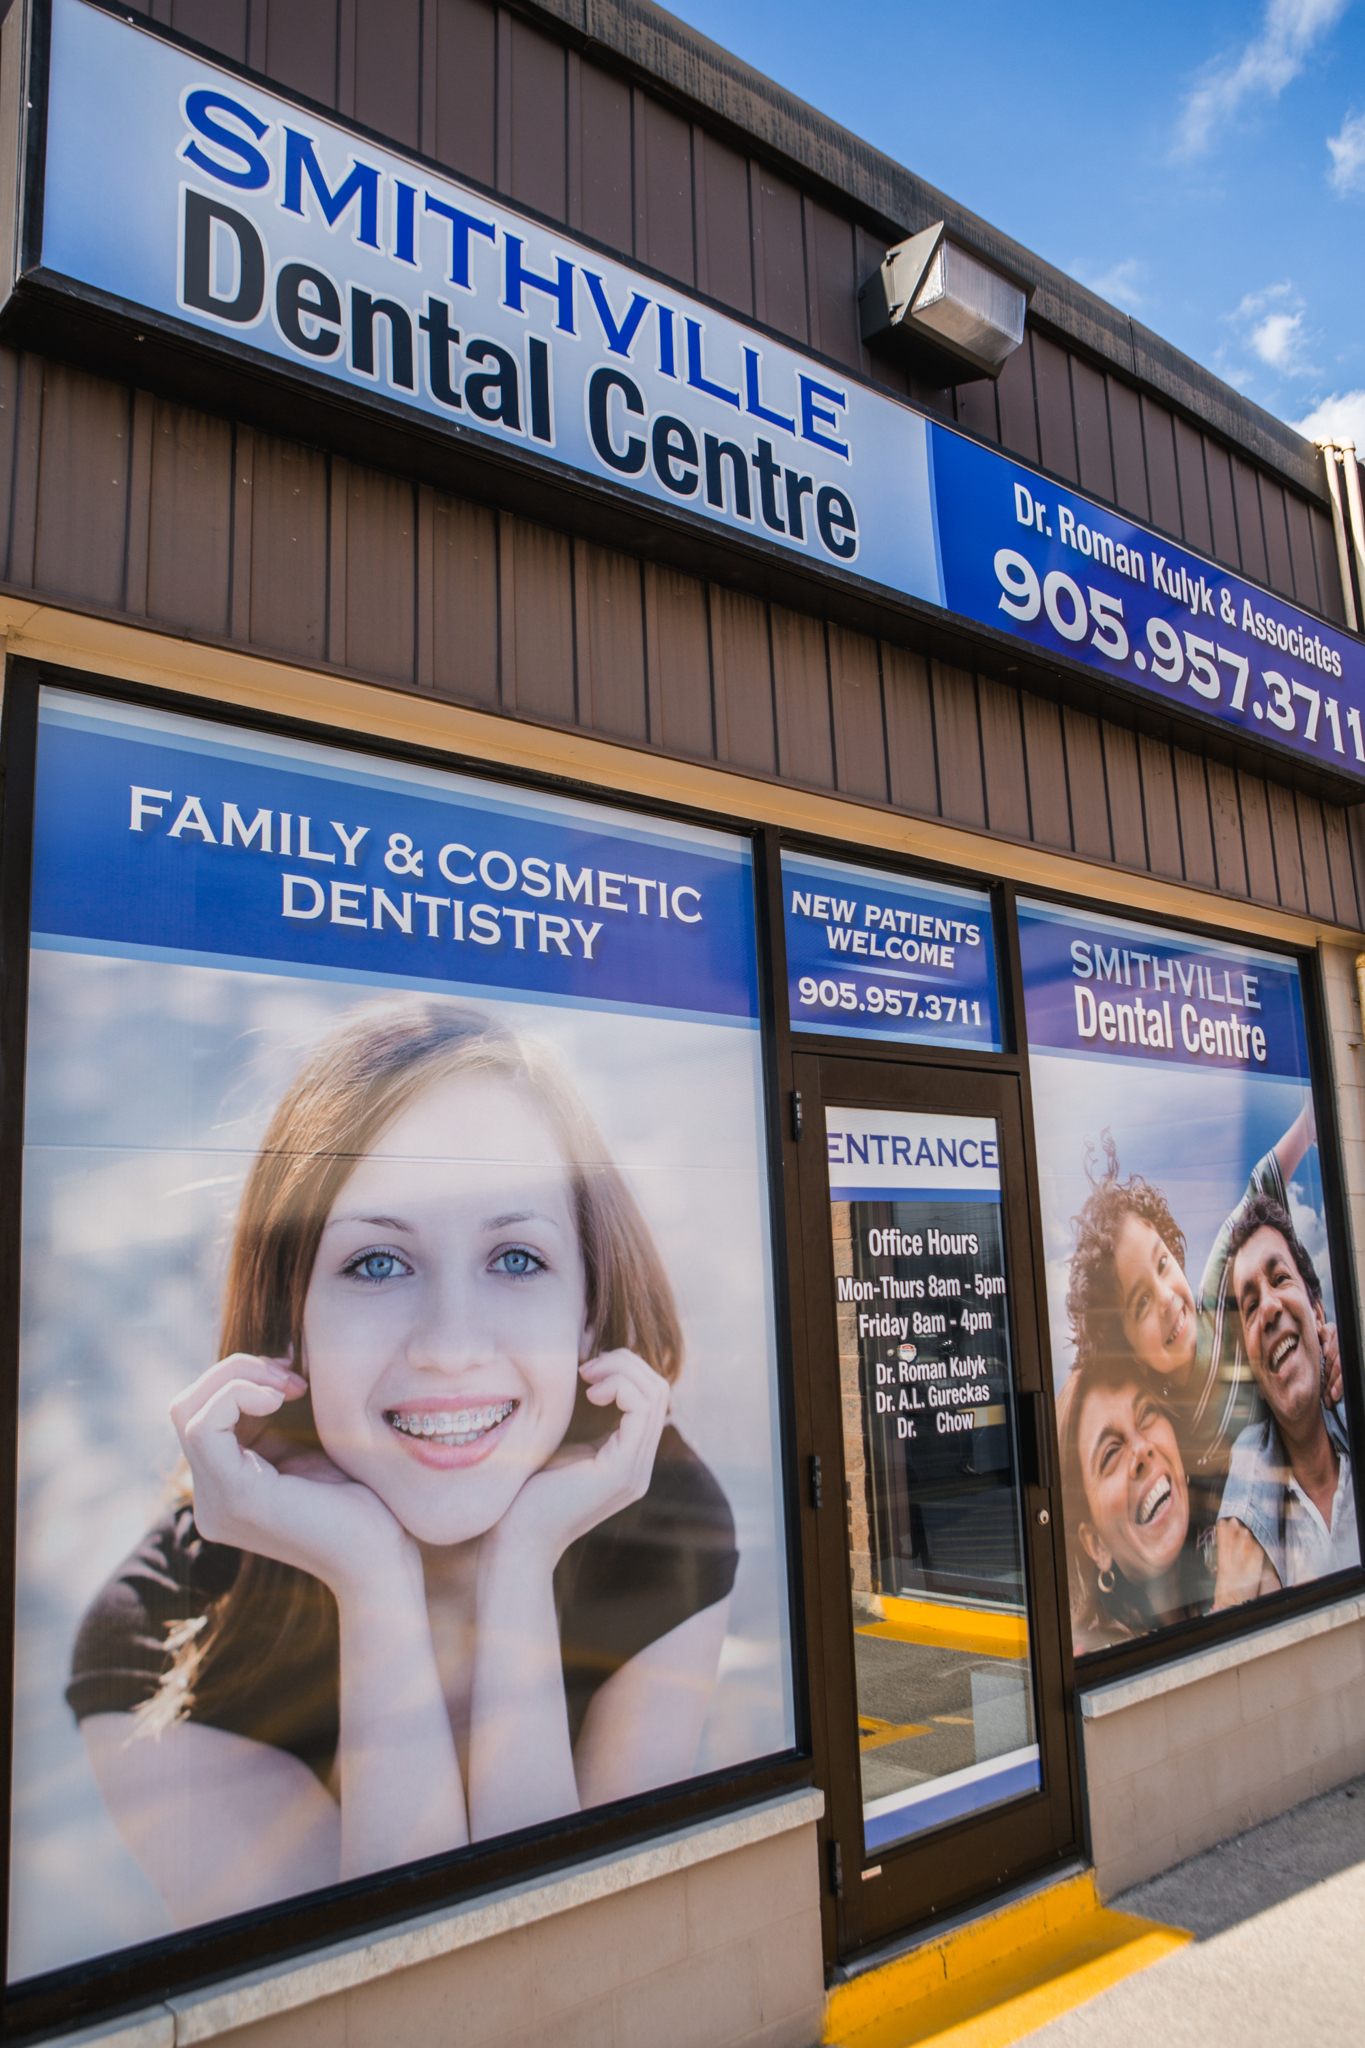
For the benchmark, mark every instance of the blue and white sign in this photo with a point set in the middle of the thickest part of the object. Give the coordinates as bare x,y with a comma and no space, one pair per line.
1076,578
877,955
176,188
1102,988
161,835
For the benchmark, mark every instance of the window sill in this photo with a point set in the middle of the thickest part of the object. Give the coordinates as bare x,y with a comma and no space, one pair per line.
1121,1693
283,1987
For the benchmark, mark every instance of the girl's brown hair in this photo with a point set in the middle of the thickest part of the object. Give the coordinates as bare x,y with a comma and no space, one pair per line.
1093,1304
275,1621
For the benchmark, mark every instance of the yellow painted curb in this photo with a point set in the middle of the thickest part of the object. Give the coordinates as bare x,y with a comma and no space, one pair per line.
990,1983
975,1629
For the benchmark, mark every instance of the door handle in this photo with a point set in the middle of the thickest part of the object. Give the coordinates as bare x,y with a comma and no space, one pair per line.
1035,1441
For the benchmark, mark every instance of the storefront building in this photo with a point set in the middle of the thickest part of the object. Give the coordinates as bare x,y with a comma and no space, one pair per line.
682,877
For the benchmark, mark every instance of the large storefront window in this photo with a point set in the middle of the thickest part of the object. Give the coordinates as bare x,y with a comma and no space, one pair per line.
1198,1369
398,1456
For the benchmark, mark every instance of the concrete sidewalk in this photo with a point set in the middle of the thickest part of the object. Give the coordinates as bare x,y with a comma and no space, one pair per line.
1280,1918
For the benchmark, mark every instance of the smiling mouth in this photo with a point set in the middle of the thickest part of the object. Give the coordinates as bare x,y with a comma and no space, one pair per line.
1179,1328
1280,1351
1153,1501
450,1427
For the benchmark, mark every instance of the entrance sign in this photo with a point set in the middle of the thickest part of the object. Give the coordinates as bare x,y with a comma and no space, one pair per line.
397,1325
175,192
878,955
945,1700
1195,1353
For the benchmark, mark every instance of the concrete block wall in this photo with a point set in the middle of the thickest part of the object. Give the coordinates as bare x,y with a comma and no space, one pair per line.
1178,1759
706,1939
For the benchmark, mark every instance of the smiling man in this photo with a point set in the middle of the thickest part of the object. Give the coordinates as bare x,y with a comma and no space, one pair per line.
1288,1512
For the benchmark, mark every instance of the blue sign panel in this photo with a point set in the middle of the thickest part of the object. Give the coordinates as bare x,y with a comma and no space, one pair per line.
876,955
1125,992
1028,556
225,210
162,833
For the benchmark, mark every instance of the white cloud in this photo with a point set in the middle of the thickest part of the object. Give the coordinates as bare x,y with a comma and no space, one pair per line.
1348,156
1338,418
1271,325
1267,64
1278,338
1118,284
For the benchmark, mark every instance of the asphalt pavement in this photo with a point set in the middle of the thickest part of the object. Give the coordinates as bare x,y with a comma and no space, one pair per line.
1279,1915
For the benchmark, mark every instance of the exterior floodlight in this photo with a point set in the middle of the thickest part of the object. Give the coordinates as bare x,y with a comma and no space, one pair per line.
953,316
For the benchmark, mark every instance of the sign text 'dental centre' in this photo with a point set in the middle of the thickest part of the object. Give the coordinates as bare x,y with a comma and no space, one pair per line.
222,210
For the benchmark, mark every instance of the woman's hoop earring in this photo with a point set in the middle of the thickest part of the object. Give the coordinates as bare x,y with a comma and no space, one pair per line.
1106,1580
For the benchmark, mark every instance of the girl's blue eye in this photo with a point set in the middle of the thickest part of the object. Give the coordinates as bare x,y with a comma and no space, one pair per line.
378,1266
518,1263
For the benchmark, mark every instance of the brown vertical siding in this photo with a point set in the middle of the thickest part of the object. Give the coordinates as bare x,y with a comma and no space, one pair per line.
1018,409
1158,434
742,681
464,64
536,635
388,66
1225,813
1089,799
911,753
1056,414
82,488
962,795
859,726
678,643
1092,431
1281,575
537,160
976,409
189,518
1130,457
1326,563
301,47
663,190
1002,759
121,501
464,601
1301,551
1160,808
610,655
1123,780
1045,760
1196,829
831,284
779,253
724,241
1223,511
1250,533
1195,523
601,150
219,24
805,732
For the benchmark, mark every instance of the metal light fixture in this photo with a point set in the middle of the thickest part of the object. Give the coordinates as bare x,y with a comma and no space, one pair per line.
948,312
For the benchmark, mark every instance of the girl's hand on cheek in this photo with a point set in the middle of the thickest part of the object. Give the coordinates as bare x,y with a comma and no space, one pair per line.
584,1484
258,1491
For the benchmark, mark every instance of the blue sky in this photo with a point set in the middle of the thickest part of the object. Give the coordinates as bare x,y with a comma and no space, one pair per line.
1202,166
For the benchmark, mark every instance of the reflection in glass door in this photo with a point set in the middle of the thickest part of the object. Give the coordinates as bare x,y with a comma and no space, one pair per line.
945,1696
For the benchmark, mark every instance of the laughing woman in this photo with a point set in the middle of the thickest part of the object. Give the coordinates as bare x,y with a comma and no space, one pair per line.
439,1567
1128,1296
1133,1562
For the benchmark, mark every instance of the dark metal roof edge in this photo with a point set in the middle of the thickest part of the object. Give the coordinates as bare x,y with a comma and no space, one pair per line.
660,47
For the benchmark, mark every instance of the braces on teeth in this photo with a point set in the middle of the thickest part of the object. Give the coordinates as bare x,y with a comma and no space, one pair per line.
443,1427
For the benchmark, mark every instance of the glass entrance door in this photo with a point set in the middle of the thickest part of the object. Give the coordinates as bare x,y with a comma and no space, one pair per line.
946,1718
953,1768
